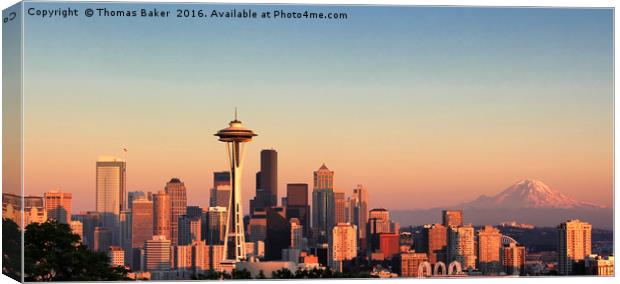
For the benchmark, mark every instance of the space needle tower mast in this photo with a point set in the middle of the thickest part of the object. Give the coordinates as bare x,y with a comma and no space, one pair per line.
235,136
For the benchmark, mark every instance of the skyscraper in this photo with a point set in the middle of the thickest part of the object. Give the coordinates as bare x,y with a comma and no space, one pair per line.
342,245
297,205
117,256
489,247
235,136
215,225
220,193
34,210
141,222
189,229
461,246
452,218
574,245
58,206
358,211
339,207
178,203
296,234
161,215
323,204
133,195
110,193
266,181
278,233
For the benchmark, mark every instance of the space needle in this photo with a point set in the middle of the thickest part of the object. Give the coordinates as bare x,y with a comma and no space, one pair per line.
235,136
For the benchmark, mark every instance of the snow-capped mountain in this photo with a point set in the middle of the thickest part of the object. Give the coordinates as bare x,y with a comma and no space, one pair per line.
528,193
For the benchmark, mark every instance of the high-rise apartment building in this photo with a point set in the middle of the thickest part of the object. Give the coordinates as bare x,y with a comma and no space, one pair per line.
408,263
178,202
452,218
58,206
437,246
323,204
161,215
342,245
574,245
513,259
461,246
489,247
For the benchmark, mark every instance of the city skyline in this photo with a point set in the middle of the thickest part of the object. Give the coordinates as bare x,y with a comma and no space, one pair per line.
449,76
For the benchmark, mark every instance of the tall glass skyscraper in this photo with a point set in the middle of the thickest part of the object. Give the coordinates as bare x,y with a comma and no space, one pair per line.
110,193
178,202
323,204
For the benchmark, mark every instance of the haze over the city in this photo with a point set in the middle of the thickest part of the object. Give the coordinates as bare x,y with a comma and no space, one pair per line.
425,107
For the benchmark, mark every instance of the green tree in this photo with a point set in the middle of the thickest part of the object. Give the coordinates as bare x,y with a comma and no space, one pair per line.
241,274
283,273
261,275
53,253
11,253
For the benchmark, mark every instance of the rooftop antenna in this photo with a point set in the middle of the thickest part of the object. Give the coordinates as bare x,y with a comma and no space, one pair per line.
235,113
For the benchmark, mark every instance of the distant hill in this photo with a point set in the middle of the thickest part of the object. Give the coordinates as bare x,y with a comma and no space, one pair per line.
527,201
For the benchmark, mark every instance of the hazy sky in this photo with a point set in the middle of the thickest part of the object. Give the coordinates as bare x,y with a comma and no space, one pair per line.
424,106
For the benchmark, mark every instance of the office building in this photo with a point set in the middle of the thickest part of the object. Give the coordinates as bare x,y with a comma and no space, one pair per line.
574,246
162,214
389,244
297,205
220,193
358,212
110,193
189,229
267,180
339,208
215,225
322,204
134,195
157,252
141,222
297,241
103,239
278,233
58,206
178,202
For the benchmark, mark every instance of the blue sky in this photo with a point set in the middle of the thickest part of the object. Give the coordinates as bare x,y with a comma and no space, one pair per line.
492,94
